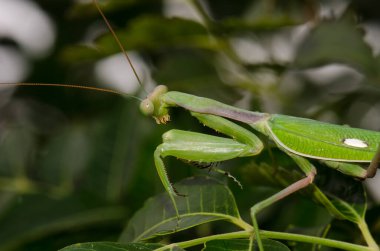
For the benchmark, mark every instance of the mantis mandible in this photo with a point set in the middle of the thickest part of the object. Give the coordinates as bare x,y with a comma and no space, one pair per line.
345,149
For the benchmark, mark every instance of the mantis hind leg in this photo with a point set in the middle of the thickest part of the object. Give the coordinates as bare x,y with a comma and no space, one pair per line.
310,172
371,170
356,170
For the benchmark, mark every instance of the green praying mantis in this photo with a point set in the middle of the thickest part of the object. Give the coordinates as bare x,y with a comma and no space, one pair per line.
340,147
354,152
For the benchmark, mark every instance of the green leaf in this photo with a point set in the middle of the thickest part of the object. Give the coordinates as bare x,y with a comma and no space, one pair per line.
240,245
146,32
189,71
47,217
206,200
342,195
87,8
111,246
324,45
262,17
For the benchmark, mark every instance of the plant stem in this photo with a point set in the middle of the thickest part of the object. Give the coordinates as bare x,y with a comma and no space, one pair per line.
241,223
315,240
367,235
272,235
199,241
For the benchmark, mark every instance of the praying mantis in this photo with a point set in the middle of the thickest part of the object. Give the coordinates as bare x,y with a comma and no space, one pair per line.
345,149
339,147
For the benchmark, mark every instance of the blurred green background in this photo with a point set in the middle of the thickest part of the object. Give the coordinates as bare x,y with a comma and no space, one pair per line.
75,165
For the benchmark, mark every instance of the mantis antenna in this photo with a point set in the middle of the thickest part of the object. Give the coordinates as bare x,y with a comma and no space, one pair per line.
89,87
118,43
72,86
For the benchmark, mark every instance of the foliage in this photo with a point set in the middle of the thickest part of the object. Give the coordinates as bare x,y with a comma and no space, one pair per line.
77,166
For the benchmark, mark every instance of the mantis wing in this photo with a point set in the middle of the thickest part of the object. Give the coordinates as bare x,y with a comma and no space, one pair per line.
321,140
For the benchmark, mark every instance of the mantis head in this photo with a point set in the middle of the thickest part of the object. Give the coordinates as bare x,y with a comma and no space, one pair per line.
154,106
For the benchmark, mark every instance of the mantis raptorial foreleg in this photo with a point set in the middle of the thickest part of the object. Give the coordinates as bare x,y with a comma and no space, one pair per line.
193,146
200,147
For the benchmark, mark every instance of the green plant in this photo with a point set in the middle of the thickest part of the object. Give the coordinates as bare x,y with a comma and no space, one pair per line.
186,55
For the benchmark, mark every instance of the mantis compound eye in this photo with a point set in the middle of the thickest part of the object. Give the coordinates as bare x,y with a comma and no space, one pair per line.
147,107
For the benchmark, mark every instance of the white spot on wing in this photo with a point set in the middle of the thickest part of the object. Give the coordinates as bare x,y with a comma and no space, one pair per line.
355,143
